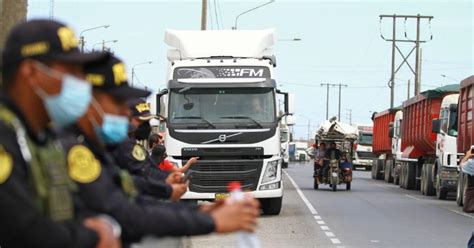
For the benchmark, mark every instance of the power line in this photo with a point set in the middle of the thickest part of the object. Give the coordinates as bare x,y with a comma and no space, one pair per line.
220,13
209,10
217,17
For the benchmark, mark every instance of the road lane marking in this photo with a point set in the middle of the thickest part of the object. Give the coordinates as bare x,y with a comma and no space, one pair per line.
336,241
374,241
305,200
330,234
412,197
313,211
461,213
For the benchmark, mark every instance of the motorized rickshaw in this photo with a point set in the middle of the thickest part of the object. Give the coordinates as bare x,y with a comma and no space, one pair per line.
339,168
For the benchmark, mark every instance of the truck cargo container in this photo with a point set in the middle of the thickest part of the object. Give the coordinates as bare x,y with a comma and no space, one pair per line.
465,131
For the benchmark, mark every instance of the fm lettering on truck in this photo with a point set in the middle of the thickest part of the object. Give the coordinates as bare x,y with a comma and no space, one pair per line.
222,72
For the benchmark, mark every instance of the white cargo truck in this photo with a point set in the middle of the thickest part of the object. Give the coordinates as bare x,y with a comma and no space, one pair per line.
221,105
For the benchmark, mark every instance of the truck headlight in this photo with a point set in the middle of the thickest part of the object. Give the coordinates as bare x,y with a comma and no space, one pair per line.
271,171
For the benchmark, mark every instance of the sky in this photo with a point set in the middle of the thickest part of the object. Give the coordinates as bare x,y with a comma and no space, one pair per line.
340,43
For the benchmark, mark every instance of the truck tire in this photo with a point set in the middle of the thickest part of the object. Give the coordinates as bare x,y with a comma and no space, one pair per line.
284,165
460,190
374,166
410,176
378,169
429,185
402,176
388,171
441,193
271,206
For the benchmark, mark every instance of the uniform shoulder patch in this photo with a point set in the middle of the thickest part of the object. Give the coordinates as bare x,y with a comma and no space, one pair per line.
6,165
82,164
138,153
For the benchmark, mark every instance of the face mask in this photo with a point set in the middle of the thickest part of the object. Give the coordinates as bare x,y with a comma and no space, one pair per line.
114,128
71,103
143,131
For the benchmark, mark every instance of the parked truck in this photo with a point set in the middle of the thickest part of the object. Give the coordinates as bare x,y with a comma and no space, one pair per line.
363,156
220,105
424,159
465,130
285,143
382,147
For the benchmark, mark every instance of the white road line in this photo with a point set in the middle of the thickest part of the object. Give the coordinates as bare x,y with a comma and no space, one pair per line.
305,200
330,234
325,228
461,213
412,197
335,241
313,211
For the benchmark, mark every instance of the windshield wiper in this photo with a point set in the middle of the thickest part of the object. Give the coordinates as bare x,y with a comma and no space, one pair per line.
243,118
196,118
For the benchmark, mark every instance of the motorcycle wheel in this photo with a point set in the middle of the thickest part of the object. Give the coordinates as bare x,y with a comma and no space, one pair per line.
334,187
316,185
348,186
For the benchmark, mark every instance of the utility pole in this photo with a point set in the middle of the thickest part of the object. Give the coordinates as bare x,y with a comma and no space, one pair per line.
309,127
339,109
204,15
408,90
416,49
349,115
327,99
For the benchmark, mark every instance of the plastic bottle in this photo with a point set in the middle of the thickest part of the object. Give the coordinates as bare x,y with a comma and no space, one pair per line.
244,239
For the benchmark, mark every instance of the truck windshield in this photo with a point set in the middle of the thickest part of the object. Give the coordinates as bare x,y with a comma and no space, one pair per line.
242,106
365,139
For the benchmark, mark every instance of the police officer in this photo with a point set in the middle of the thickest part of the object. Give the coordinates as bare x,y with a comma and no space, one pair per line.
104,188
132,156
41,86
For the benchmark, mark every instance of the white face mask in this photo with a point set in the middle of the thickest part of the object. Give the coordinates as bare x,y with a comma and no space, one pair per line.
71,103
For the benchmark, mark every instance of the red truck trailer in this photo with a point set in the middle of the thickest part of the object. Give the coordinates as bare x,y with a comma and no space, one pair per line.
382,143
465,130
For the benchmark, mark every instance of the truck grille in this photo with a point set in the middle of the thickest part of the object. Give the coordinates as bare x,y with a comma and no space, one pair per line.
362,155
211,176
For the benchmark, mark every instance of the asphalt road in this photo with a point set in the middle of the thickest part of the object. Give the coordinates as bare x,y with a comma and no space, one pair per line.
372,214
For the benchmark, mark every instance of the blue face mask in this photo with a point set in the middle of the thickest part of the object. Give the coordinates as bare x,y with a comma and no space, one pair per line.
71,103
114,128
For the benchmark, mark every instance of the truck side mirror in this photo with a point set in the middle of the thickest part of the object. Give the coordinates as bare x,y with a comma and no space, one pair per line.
391,132
289,120
290,103
158,103
436,126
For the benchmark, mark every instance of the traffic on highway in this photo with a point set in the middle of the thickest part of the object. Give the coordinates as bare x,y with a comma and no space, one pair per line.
160,124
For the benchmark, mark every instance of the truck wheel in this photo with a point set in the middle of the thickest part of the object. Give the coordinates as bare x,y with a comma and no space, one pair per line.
429,186
378,171
460,191
410,179
374,168
423,179
284,165
441,194
348,186
402,176
316,185
388,171
271,206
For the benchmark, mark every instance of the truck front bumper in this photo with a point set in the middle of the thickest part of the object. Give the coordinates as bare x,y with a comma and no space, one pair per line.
259,194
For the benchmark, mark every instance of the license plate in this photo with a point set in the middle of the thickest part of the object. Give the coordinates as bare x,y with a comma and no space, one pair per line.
221,196
334,174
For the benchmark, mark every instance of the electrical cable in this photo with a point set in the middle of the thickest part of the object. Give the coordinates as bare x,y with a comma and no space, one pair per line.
217,17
